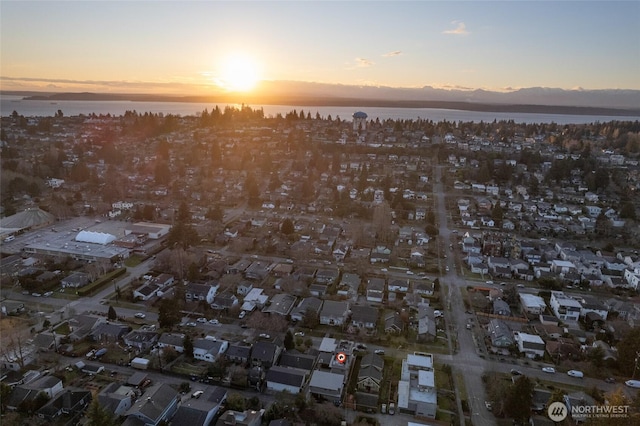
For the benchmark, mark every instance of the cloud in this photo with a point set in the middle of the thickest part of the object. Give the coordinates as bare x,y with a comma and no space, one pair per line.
363,63
395,53
460,29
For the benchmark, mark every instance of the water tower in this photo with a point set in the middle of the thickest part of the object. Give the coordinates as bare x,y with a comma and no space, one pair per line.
359,121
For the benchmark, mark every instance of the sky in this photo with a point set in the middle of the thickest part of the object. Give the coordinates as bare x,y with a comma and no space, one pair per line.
188,47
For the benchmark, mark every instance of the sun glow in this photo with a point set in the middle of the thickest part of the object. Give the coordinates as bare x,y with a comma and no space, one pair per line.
239,73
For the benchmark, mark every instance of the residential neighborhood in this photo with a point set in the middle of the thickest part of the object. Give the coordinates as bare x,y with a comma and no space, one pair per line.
232,268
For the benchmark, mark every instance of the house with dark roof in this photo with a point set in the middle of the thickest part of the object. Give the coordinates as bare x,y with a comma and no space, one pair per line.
238,354
71,402
265,354
293,359
201,411
500,334
109,332
196,292
370,373
364,317
141,339
156,405
292,380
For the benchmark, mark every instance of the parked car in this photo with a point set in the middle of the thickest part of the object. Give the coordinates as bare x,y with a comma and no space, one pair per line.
610,380
392,408
379,352
48,293
575,373
140,315
515,372
197,394
192,324
265,336
202,320
299,334
214,322
242,314
488,405
548,369
633,383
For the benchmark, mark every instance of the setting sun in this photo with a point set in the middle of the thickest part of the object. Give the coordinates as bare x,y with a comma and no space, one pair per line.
239,73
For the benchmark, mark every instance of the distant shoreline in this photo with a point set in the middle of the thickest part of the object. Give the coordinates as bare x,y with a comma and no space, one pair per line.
332,101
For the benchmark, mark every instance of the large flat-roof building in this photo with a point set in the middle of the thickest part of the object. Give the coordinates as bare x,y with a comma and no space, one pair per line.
417,393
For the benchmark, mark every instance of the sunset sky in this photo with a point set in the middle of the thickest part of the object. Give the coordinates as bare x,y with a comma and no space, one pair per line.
189,47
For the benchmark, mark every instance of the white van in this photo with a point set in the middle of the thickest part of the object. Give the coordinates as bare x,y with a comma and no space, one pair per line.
9,238
575,373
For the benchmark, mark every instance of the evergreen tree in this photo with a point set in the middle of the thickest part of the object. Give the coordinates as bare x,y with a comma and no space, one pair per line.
288,341
111,315
188,346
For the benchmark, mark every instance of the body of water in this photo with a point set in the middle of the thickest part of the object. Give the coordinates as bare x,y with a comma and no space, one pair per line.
30,108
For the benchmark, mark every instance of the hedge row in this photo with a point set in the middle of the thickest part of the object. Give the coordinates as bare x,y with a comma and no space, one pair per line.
101,282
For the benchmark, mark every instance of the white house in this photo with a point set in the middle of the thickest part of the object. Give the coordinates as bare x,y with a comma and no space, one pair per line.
530,344
564,307
209,349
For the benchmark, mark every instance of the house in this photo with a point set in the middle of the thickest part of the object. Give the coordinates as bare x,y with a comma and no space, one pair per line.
393,323
201,411
364,317
530,344
564,307
308,305
334,312
265,354
224,301
424,288
532,304
340,252
71,402
375,290
146,291
291,380
349,285
117,398
157,405
398,286
195,292
293,359
280,304
75,280
370,373
237,418
140,339
500,334
109,332
172,340
327,276
238,354
427,330
380,254
208,349
327,385
417,393
500,307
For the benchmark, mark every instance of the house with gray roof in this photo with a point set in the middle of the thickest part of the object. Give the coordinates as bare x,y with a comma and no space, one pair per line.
334,312
141,339
109,332
172,340
116,398
375,290
427,330
364,316
313,304
349,284
156,405
201,411
500,334
209,350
